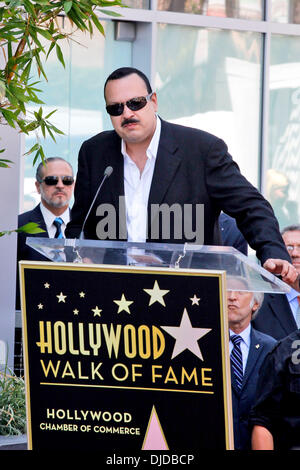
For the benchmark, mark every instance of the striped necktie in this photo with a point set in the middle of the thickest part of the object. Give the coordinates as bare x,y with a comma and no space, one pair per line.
236,359
298,312
58,222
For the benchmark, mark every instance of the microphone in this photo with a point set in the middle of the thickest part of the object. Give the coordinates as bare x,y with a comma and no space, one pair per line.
107,172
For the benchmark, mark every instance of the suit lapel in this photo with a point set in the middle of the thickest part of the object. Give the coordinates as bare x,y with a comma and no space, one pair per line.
38,218
255,350
115,160
167,163
282,311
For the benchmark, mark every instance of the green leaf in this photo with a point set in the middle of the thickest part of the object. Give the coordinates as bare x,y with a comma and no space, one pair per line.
98,24
31,227
60,55
3,161
67,6
9,116
45,33
33,149
110,13
50,49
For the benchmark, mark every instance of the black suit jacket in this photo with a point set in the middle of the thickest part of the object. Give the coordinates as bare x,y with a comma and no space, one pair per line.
230,234
25,252
192,167
243,399
275,316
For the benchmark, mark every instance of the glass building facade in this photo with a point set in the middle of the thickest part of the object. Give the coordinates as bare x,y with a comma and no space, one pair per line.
230,67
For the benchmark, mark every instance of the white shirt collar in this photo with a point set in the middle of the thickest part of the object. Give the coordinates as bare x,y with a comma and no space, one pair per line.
49,217
292,294
151,151
245,334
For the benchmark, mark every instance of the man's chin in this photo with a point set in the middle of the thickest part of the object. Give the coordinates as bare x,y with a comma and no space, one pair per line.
59,204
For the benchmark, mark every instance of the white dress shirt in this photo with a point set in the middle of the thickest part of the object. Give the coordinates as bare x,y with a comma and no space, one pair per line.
293,301
137,189
49,218
244,344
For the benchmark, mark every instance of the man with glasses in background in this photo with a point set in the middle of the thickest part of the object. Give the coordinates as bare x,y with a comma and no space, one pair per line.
156,163
55,184
279,315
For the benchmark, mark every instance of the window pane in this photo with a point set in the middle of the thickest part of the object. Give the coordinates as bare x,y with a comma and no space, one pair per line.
76,91
145,4
246,9
285,11
214,84
282,181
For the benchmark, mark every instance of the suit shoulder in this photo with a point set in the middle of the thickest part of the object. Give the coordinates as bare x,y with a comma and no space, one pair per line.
264,338
192,132
27,216
100,139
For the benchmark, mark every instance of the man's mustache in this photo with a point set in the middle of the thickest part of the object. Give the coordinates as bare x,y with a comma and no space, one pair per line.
129,121
59,191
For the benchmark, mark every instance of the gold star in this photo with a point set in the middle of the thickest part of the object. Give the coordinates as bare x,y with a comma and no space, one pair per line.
82,294
40,306
195,300
156,294
46,285
123,304
75,311
61,297
96,311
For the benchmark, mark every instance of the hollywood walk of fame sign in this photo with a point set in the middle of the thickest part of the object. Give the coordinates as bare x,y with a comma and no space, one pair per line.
125,358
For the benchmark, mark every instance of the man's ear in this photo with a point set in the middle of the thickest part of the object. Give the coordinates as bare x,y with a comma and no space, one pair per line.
37,185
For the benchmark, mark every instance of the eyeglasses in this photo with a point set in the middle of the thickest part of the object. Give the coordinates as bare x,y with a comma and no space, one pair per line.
53,180
293,247
134,105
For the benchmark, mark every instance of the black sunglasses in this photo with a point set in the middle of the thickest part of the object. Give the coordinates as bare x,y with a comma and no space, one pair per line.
134,105
53,180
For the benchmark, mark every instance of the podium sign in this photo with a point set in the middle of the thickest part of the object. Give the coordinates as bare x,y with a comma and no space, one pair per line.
125,358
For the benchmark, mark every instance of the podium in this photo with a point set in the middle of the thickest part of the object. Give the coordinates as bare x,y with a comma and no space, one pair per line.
126,345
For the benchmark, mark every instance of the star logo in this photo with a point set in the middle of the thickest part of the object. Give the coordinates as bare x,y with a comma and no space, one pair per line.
156,294
195,300
61,297
75,311
46,285
82,295
97,311
123,304
40,306
186,336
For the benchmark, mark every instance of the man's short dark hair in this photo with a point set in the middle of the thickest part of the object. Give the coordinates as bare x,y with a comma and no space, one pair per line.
39,170
124,72
291,228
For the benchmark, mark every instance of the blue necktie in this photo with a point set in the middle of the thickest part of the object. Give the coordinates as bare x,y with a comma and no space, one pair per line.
58,222
237,359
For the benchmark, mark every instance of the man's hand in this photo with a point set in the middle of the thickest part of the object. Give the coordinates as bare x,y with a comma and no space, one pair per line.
285,269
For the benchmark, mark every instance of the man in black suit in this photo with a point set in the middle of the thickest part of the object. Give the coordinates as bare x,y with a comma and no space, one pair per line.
230,234
252,349
278,314
157,164
275,417
55,184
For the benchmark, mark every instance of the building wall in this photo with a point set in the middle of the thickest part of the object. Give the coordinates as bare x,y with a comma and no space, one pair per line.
229,67
9,197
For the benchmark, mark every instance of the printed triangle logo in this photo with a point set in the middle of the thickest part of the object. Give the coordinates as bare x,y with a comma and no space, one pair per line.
154,437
